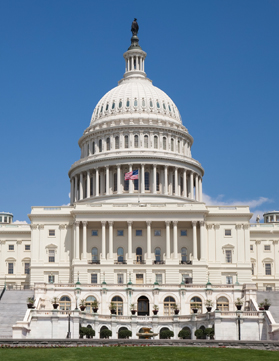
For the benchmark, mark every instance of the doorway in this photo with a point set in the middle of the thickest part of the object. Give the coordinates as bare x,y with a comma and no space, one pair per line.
143,306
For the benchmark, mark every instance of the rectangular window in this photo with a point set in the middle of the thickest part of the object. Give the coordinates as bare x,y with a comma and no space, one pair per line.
26,268
27,247
94,233
94,278
51,278
51,232
5,219
268,288
228,232
120,233
120,278
183,233
159,278
251,247
157,232
11,247
228,256
51,255
267,247
10,268
138,232
0,219
268,269
229,280
139,279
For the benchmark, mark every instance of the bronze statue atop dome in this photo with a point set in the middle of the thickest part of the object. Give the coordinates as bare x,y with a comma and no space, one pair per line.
135,27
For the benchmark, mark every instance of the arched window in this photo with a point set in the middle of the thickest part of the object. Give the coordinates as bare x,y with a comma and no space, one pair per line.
107,106
120,254
146,141
146,181
157,255
143,102
126,141
65,303
222,304
127,103
155,142
158,105
118,303
196,302
164,106
136,141
120,104
113,105
151,103
108,143
115,182
93,147
169,303
88,303
117,142
135,103
94,253
172,144
164,143
157,182
139,254
100,145
183,255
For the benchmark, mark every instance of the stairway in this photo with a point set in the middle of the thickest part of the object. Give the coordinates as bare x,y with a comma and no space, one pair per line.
273,297
13,307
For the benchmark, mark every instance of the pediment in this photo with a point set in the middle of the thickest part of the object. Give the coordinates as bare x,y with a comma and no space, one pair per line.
51,246
228,245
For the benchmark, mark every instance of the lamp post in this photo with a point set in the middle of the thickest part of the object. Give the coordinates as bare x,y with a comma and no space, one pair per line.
69,325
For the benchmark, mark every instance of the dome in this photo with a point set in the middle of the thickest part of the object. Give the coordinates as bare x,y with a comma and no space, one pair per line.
136,95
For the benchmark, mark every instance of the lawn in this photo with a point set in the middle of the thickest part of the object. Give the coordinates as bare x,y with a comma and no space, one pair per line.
135,354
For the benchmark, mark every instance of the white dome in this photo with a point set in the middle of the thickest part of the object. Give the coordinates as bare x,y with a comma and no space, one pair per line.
136,95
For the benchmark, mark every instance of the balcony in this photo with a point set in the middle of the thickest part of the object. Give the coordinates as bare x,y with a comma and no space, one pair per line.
95,261
159,262
185,262
120,262
139,262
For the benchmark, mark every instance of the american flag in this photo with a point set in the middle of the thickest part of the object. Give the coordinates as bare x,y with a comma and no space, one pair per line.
132,175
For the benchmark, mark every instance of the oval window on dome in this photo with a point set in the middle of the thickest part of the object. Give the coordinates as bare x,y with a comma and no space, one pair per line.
151,103
113,105
97,111
135,103
120,104
107,106
128,103
143,103
158,105
164,106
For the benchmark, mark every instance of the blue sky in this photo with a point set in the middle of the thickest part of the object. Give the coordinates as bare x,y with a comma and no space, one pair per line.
218,61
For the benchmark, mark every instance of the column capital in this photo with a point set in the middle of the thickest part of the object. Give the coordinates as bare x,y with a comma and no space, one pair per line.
110,223
166,166
202,223
77,223
62,226
246,226
84,223
275,242
238,226
217,226
41,226
107,166
130,223
148,223
175,223
167,223
209,226
194,223
104,223
33,226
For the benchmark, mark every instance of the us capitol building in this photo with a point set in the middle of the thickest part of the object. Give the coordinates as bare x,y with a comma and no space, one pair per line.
145,241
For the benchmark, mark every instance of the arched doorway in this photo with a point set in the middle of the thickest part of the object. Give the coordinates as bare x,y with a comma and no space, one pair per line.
143,306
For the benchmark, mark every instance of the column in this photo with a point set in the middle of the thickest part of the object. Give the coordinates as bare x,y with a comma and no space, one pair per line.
200,188
140,63
167,239
81,186
176,181
142,179
148,223
130,239
166,180
110,239
77,239
84,240
107,180
126,66
184,183
103,239
195,248
88,184
202,241
118,179
72,190
97,182
197,187
131,184
174,239
154,179
191,185
143,65
132,65
76,188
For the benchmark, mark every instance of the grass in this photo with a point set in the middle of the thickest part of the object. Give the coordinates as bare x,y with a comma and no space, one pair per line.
135,354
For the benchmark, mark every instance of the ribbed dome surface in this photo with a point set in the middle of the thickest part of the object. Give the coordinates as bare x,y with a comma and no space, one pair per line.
136,96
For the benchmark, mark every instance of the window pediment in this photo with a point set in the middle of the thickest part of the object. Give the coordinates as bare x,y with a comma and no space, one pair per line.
10,259
228,246
269,260
51,246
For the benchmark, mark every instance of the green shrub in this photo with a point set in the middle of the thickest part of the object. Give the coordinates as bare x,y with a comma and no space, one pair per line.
124,334
199,334
166,334
86,331
209,332
186,334
105,333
